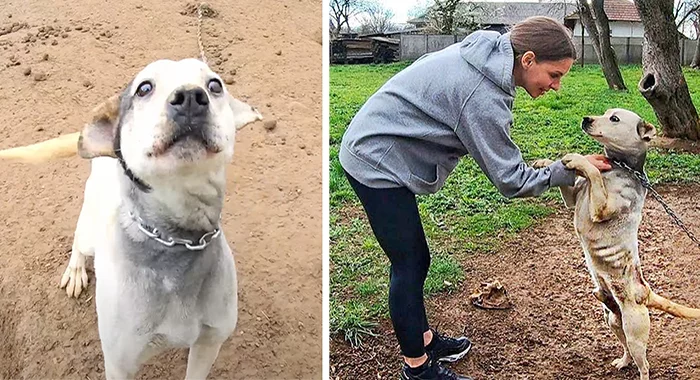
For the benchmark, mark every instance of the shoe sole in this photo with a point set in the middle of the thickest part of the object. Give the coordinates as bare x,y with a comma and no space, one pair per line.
454,357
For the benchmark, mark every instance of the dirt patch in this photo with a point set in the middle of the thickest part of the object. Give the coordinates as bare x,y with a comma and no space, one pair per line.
192,9
681,145
12,27
555,328
272,214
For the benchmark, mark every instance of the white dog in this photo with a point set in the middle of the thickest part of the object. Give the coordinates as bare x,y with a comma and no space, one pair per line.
165,276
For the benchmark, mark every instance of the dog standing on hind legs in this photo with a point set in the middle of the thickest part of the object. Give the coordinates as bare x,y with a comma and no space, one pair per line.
165,275
608,210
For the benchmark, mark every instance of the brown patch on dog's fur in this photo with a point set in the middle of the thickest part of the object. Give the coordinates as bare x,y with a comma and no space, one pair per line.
646,130
608,300
620,290
642,295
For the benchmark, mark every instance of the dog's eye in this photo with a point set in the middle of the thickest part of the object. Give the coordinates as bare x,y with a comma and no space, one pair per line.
215,86
144,89
614,119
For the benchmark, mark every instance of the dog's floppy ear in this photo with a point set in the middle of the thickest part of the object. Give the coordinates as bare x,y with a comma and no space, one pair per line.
243,114
646,130
97,137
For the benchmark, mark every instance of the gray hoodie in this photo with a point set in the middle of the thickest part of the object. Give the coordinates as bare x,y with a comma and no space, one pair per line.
457,101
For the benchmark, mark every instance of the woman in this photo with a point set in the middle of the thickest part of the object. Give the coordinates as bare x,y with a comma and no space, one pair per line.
408,137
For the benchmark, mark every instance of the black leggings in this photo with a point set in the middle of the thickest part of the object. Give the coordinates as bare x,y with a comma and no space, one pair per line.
393,215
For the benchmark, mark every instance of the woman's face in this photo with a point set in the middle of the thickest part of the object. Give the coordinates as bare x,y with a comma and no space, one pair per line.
539,77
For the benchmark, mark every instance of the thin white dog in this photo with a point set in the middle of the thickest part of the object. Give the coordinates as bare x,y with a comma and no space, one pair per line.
608,210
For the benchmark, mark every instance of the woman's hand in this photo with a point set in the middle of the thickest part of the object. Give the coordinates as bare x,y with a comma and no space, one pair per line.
599,161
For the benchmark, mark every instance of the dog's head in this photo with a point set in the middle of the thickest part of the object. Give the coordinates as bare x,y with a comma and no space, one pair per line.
172,116
620,130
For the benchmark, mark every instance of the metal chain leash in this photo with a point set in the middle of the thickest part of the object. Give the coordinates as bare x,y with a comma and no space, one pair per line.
170,241
642,177
153,232
200,16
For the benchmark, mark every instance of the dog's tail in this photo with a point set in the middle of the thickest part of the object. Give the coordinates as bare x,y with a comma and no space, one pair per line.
660,303
60,147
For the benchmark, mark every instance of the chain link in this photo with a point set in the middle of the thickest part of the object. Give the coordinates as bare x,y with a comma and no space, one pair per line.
199,31
642,177
170,241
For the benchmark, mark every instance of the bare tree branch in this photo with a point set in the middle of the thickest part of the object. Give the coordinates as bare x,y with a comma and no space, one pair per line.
376,18
341,11
686,13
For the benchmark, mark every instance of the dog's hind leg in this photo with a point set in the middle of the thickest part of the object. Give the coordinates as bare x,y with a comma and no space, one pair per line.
613,318
614,321
635,323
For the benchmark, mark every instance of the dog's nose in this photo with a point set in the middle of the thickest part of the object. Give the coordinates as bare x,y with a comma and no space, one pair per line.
587,120
191,102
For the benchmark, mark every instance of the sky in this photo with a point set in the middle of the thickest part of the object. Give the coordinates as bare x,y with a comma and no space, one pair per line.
400,8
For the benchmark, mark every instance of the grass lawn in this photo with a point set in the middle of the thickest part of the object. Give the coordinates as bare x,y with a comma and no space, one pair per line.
468,216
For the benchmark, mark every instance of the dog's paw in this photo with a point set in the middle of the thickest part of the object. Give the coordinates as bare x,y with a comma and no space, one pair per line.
622,362
574,161
543,163
75,278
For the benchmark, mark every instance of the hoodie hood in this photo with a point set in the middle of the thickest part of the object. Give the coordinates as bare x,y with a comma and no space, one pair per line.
492,54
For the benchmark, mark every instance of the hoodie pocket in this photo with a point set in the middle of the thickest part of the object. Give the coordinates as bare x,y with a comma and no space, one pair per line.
422,186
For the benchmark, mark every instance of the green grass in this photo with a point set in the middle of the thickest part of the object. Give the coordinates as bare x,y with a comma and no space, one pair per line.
468,216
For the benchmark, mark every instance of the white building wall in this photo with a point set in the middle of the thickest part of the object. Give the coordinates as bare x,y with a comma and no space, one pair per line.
617,29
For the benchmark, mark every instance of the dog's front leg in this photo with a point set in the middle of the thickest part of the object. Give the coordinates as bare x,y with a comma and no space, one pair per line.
75,278
202,354
200,360
568,193
117,374
601,208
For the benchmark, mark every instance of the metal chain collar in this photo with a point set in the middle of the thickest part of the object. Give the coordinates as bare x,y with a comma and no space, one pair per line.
642,177
170,241
199,32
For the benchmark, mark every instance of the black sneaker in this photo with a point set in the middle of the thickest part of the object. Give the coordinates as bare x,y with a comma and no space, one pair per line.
430,370
446,349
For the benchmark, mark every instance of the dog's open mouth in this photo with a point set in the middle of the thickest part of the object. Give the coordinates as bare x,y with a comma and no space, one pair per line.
186,143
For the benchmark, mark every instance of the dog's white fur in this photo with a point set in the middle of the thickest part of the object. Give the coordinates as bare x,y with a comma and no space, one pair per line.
131,327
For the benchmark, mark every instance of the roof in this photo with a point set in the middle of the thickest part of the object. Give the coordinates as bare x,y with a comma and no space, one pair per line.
617,10
393,41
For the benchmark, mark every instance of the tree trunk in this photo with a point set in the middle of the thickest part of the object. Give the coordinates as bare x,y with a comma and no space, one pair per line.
599,31
663,84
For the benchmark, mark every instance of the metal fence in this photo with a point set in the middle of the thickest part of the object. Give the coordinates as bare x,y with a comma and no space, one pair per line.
627,49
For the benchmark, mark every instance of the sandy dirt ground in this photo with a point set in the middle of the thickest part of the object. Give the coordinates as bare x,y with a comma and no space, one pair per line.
555,329
58,60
